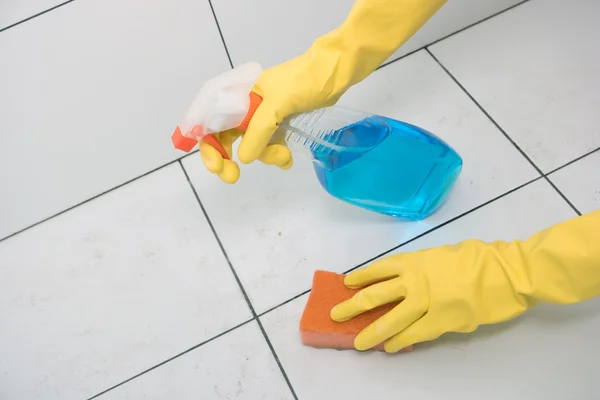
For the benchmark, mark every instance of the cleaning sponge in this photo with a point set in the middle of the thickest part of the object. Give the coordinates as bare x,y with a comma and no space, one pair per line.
317,329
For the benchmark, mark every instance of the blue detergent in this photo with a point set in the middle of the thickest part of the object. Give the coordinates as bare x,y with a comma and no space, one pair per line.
389,167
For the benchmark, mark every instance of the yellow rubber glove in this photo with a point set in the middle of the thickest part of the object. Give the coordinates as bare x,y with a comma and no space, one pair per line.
457,288
373,31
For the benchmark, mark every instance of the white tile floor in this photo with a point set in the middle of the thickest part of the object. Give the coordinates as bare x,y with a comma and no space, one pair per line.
84,110
136,294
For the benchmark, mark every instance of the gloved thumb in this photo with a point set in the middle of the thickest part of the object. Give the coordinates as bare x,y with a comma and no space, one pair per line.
262,126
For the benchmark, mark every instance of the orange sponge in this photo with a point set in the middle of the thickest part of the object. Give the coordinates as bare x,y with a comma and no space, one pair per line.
317,329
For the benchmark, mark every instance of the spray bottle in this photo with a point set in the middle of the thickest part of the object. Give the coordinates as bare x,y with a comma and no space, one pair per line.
370,161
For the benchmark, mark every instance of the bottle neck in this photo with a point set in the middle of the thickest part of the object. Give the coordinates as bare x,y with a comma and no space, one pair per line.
304,130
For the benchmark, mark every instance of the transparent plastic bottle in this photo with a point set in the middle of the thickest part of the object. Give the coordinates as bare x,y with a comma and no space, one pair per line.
374,162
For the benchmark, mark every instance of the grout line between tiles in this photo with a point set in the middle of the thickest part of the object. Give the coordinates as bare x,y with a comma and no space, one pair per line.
485,113
452,34
589,153
283,303
36,15
90,199
212,9
506,135
172,358
435,228
239,282
565,198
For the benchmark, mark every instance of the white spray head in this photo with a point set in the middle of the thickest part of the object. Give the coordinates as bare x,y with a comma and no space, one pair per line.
221,104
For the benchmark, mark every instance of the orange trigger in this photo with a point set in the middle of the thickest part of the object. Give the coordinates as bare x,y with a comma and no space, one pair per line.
214,142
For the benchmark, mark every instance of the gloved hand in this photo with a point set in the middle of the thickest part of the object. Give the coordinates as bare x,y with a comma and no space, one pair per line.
373,31
457,288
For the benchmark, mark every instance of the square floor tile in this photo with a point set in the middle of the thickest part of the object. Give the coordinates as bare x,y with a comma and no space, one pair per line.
283,29
580,182
111,288
238,365
535,70
91,93
546,354
279,226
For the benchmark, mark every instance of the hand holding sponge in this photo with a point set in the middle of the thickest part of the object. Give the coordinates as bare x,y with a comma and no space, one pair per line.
416,297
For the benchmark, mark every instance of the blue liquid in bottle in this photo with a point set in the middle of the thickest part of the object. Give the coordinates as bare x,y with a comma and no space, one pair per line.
389,167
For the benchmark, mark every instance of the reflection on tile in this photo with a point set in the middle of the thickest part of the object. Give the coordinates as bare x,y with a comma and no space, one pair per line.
91,95
279,226
530,357
111,288
532,68
238,365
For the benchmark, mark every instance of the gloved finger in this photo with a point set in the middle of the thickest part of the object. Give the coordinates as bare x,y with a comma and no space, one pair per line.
262,126
275,154
393,322
368,299
212,159
380,270
279,139
227,139
421,331
227,170
287,165
230,173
